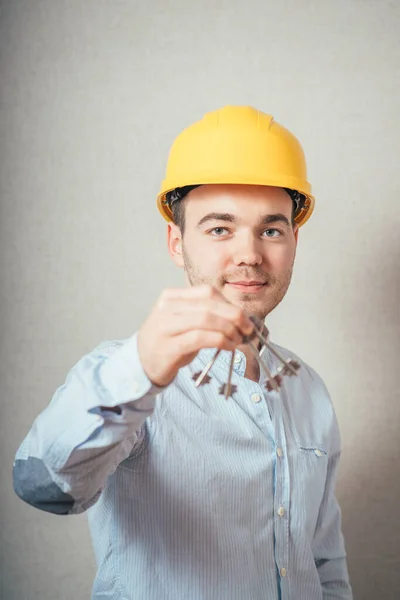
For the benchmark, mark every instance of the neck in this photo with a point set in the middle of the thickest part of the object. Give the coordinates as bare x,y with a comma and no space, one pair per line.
252,366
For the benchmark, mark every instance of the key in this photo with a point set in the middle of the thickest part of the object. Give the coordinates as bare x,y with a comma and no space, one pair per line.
202,377
289,366
228,389
274,382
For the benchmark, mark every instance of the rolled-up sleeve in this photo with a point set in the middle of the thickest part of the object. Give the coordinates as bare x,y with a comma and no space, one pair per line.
93,422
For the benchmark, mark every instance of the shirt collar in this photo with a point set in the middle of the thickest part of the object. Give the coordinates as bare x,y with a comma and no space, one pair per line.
225,355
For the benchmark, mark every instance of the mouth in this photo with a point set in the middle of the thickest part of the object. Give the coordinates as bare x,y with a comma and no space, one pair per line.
250,287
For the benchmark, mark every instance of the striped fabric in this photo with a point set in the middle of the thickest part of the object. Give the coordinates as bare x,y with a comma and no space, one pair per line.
190,496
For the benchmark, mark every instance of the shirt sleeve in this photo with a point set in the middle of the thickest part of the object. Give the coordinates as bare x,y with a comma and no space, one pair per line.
93,422
328,544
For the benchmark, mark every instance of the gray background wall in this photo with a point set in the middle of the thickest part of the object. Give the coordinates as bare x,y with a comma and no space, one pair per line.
92,94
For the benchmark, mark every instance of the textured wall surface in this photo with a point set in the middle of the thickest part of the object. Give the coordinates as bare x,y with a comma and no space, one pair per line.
91,95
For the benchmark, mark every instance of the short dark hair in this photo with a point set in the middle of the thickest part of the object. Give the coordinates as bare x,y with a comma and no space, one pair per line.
175,199
178,213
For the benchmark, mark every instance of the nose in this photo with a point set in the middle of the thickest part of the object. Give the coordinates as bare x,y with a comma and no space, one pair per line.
247,251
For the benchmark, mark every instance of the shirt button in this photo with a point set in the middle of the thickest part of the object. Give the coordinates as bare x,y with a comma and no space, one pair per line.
283,572
279,452
238,359
256,397
281,511
318,452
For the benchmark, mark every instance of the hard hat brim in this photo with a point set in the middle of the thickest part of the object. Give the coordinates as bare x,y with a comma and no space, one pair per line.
300,219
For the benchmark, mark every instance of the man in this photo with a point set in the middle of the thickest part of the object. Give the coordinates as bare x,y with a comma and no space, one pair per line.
191,495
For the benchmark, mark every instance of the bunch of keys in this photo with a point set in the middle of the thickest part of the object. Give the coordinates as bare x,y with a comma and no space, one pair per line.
288,366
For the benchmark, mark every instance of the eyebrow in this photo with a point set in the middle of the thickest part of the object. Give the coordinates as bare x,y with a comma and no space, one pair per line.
229,218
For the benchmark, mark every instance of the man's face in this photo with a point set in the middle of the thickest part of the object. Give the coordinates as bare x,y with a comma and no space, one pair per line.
239,239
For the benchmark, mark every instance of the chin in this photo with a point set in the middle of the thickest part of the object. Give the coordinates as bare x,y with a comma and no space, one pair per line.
251,306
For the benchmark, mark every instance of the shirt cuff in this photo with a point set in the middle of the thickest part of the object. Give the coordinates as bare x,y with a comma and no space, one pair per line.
122,380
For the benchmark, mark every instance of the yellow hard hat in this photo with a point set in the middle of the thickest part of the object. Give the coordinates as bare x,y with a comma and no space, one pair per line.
238,145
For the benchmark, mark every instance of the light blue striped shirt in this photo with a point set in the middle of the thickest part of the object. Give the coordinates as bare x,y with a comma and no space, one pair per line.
191,496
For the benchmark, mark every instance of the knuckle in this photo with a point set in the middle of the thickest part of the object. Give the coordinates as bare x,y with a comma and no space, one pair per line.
208,291
204,318
164,296
199,318
196,338
233,332
237,315
203,311
220,340
161,303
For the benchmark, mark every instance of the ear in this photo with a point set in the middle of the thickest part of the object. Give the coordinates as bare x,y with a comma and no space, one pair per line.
174,240
296,233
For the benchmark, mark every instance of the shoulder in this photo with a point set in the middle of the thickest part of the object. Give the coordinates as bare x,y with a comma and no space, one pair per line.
307,374
105,351
108,348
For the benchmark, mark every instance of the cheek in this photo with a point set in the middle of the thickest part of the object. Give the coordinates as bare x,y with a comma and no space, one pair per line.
280,258
214,262
209,256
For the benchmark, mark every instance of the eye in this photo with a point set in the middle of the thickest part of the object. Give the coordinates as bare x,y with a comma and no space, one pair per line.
272,232
218,231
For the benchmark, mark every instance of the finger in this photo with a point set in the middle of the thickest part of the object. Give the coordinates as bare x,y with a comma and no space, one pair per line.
191,319
205,309
195,340
237,316
196,292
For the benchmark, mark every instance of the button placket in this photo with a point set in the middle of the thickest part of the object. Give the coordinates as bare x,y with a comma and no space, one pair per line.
282,495
255,398
239,363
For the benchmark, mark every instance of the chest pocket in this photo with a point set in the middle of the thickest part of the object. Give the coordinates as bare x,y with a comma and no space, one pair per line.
317,451
309,465
312,462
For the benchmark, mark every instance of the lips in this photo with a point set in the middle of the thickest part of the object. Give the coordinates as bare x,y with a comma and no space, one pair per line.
248,287
246,282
